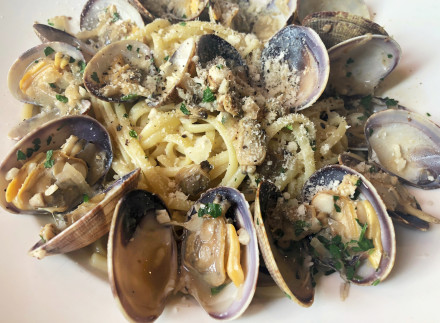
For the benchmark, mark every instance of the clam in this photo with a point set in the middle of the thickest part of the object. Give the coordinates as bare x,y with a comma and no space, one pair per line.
360,63
295,67
141,239
175,10
106,21
334,27
50,34
263,18
369,217
88,222
355,7
122,71
40,176
406,145
295,237
26,81
401,205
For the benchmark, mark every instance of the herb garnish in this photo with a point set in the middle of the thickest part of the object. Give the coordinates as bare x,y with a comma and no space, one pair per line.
208,96
42,239
49,140
212,209
85,198
299,226
376,282
184,109
182,23
52,85
348,74
21,155
390,55
133,133
72,60
289,127
337,207
350,60
125,115
50,23
48,50
129,47
62,98
116,17
82,66
129,97
428,114
95,77
166,58
390,102
49,161
219,66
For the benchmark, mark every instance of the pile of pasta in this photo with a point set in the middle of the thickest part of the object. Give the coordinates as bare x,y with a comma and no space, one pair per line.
163,141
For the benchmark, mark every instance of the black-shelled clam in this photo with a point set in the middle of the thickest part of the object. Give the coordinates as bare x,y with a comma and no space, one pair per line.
295,66
141,238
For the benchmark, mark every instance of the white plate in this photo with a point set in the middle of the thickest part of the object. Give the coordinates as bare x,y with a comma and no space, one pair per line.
65,289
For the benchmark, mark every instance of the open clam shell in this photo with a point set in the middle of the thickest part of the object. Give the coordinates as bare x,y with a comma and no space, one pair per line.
230,301
92,225
406,145
174,10
334,27
50,34
32,57
359,64
50,137
329,176
355,7
93,8
121,72
287,270
302,51
139,243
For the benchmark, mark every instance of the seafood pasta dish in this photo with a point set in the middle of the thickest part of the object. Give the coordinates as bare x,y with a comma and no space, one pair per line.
207,148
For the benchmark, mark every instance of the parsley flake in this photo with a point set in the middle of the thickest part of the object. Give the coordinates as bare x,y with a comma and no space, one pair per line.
350,60
376,282
289,127
348,74
49,161
125,115
62,98
50,23
48,50
72,60
52,85
219,66
82,66
21,155
42,239
182,23
133,133
116,17
390,56
337,207
212,209
208,96
95,77
184,110
166,58
49,140
130,97
428,114
85,198
218,289
391,102
129,47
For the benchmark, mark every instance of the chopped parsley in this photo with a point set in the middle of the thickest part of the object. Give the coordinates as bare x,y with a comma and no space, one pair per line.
182,23
223,119
289,127
391,102
48,50
116,17
129,47
335,197
137,50
376,282
348,74
62,98
428,114
371,132
72,60
49,161
183,16
208,96
166,58
299,227
21,155
184,110
49,140
358,183
372,169
350,60
52,85
85,198
361,118
29,152
36,61
133,133
287,295
257,180
363,244
283,170
366,102
337,207
130,97
390,56
42,239
125,115
50,23
219,66
212,209
218,289
95,77
82,66
37,144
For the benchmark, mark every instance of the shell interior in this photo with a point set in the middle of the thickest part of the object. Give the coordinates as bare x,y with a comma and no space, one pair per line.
355,7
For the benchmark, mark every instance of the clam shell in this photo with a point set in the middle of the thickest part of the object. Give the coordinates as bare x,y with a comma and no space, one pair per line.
360,63
58,130
336,27
141,298
406,145
50,34
326,177
19,67
293,279
355,7
160,9
303,51
92,226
